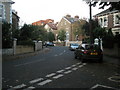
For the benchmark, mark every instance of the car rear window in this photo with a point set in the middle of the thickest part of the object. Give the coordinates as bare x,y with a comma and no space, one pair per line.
91,47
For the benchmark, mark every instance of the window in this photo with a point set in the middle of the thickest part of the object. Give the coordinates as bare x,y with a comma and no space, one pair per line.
105,21
117,19
101,22
1,10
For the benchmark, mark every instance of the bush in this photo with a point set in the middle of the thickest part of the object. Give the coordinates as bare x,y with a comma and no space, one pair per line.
27,42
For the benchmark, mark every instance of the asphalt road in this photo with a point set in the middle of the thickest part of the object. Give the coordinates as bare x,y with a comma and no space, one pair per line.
58,69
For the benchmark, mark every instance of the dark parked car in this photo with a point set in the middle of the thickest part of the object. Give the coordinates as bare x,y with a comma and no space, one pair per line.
73,46
50,44
89,52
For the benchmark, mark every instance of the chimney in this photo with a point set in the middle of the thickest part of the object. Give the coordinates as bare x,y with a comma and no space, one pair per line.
68,16
76,17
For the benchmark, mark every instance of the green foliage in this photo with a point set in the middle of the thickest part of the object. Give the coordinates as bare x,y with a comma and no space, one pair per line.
51,36
77,27
62,35
108,40
31,32
99,32
6,35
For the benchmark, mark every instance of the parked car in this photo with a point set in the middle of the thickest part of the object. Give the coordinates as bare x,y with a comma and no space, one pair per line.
49,43
89,52
73,46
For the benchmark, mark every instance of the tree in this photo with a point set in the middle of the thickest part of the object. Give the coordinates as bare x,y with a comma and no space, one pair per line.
62,35
51,37
6,35
77,28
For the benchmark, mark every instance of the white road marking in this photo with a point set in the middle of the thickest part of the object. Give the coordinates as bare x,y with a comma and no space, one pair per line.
64,50
80,66
29,63
50,75
73,65
44,82
68,68
78,63
58,76
67,72
19,86
56,55
84,63
98,85
95,86
29,88
60,71
112,78
74,69
36,80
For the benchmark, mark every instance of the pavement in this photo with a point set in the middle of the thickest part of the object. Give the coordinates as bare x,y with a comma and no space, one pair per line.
19,56
107,59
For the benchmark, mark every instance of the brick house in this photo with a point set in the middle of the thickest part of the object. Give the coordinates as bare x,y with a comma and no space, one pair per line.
67,23
109,19
15,20
51,27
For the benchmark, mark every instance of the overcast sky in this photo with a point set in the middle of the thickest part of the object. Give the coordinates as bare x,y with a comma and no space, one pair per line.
34,10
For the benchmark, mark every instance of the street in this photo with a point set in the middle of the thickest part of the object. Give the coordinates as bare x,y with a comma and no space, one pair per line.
57,68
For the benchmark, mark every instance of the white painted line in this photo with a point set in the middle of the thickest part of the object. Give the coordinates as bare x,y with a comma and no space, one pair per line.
73,65
67,72
58,76
68,68
95,86
44,82
98,85
80,66
56,55
29,88
19,86
74,69
84,63
116,77
29,63
78,63
60,71
50,75
36,80
64,50
107,87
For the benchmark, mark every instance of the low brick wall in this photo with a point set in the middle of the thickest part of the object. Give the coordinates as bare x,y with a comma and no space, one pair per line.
115,52
24,49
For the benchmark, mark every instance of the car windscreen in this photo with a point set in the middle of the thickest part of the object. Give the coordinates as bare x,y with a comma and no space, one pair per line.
74,44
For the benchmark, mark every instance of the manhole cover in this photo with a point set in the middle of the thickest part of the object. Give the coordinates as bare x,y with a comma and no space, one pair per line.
114,78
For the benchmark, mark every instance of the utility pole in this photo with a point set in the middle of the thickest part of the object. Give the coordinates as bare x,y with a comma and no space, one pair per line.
90,22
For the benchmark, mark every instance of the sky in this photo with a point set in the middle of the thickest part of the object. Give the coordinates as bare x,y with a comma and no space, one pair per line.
31,11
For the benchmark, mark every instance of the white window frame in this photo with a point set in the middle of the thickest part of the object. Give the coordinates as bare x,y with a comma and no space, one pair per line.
105,23
115,19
